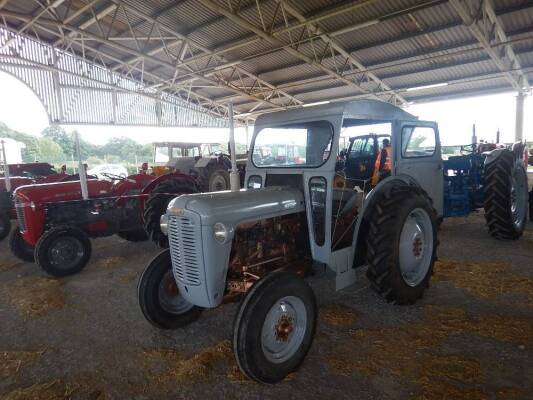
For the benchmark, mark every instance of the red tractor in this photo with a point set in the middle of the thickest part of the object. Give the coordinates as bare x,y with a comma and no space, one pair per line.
56,221
20,175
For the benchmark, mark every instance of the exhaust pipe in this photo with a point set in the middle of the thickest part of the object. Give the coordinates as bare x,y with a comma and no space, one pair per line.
81,169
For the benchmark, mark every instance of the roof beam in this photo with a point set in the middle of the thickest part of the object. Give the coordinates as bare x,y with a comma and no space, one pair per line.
486,27
381,86
262,33
260,87
218,82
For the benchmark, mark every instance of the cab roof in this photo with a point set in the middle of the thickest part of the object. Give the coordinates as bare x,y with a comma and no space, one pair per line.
366,110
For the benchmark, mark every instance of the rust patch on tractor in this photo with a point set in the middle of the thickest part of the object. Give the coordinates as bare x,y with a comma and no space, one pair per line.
36,296
11,362
338,314
487,280
413,352
190,369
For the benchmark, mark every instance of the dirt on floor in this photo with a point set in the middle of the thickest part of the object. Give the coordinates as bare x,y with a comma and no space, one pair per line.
84,337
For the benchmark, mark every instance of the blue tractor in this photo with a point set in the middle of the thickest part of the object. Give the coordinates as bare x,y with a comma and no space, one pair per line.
482,177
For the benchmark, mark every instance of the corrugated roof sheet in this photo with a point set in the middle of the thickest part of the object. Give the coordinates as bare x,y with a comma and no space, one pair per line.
404,43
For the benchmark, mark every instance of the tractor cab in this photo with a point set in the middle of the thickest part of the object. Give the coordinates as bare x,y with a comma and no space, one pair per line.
360,158
181,156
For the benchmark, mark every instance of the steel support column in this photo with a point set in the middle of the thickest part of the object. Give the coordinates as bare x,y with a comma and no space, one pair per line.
519,117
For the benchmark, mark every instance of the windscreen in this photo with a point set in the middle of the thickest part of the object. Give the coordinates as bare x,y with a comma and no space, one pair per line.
293,146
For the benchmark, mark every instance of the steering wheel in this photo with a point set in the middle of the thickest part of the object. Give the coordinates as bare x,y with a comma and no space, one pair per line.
113,177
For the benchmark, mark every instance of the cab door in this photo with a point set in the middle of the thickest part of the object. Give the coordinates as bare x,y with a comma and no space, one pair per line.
417,153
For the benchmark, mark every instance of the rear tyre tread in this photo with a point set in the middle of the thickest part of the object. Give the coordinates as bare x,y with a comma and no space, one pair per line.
157,204
382,243
497,203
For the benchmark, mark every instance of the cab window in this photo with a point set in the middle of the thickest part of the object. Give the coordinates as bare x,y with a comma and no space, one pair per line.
362,147
161,154
177,152
418,141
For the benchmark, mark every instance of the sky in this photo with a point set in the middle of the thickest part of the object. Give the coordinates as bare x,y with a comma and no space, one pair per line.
21,110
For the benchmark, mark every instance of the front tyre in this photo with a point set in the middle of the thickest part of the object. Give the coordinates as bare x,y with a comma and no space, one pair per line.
159,296
401,244
63,251
506,197
274,327
19,247
5,225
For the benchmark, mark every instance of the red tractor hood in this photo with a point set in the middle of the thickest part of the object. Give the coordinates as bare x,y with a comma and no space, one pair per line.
16,182
63,191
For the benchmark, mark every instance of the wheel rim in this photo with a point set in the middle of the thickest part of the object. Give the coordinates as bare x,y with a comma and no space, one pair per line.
65,252
169,296
218,183
284,329
416,247
518,198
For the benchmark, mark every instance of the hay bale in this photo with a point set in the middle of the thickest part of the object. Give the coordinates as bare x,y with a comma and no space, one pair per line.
338,314
486,280
112,262
36,296
11,362
191,369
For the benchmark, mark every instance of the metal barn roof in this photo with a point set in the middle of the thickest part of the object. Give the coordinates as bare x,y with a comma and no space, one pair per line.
162,62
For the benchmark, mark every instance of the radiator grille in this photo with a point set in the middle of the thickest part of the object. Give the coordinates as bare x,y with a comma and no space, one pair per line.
19,208
184,237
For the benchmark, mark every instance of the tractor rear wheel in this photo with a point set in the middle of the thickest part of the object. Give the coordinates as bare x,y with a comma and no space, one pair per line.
63,251
133,236
159,297
219,180
401,244
157,205
19,247
274,327
506,197
5,225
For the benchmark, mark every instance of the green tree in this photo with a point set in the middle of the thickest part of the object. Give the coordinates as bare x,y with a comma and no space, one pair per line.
49,151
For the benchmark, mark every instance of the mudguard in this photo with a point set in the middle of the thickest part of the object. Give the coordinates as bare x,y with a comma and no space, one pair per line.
342,260
171,175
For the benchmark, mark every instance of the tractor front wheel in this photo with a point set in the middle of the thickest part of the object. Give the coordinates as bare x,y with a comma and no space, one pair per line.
5,225
157,205
401,244
63,251
274,327
19,247
159,296
506,197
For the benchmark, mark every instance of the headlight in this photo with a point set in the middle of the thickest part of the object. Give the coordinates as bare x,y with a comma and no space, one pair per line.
163,223
33,206
220,232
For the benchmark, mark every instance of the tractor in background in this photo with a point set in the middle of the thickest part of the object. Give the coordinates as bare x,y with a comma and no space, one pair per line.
20,175
208,164
56,220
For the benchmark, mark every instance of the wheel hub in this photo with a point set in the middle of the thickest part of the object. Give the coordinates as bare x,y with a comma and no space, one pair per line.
65,252
416,247
169,296
284,328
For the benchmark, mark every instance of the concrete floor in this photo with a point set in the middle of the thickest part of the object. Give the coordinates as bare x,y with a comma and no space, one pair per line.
84,337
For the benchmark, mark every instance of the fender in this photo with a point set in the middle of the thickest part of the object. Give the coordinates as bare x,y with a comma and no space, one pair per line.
162,178
347,277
